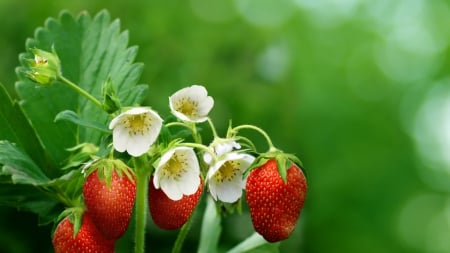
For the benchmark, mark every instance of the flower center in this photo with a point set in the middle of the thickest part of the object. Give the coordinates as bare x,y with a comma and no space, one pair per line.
137,124
227,171
174,167
187,107
40,61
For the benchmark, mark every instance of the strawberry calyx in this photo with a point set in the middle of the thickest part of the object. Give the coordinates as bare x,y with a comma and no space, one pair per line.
105,168
284,162
75,216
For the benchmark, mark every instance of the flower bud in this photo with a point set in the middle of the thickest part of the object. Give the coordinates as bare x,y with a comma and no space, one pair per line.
44,68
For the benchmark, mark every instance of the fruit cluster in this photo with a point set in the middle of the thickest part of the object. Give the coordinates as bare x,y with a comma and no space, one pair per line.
176,168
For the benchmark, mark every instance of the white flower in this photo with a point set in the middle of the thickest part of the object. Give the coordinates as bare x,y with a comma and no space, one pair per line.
178,173
220,147
191,104
225,177
135,130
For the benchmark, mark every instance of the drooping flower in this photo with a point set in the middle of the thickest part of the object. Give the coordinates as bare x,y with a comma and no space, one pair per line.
191,104
225,177
135,130
44,67
219,147
177,173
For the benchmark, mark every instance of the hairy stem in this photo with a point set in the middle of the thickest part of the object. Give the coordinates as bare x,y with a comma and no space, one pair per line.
259,130
142,178
181,236
80,91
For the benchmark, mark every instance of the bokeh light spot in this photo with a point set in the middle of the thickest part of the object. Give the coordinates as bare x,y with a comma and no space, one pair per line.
266,13
431,132
213,10
424,223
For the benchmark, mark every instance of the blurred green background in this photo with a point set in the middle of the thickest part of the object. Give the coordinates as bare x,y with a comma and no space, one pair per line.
358,89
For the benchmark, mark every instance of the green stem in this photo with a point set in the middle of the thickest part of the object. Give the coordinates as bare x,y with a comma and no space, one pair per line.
195,135
201,147
176,123
181,236
259,130
189,125
80,91
142,178
213,129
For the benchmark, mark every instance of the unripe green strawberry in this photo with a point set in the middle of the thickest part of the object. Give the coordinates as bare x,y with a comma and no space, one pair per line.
275,205
170,214
110,205
87,240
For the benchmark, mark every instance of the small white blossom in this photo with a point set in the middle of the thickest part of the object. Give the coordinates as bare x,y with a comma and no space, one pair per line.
220,147
191,104
225,177
135,130
178,173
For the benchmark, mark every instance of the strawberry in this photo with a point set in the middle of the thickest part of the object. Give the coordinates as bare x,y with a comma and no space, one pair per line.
88,239
275,205
110,201
170,214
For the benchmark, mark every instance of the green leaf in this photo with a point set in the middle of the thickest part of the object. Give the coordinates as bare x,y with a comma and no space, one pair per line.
30,198
90,51
71,184
255,243
20,181
19,166
15,128
74,118
211,228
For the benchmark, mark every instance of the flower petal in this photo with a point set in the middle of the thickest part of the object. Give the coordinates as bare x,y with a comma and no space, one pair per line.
189,183
212,189
138,144
120,138
228,184
229,193
205,105
171,189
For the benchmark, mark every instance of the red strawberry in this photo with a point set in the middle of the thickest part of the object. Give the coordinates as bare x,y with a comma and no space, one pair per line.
88,238
110,206
171,214
274,205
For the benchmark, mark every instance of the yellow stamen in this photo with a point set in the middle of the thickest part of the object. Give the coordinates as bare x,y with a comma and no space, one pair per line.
137,124
175,166
40,61
187,106
227,171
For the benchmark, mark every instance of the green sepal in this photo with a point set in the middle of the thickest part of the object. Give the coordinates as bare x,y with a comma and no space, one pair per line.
111,102
105,168
45,67
75,216
259,161
284,162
